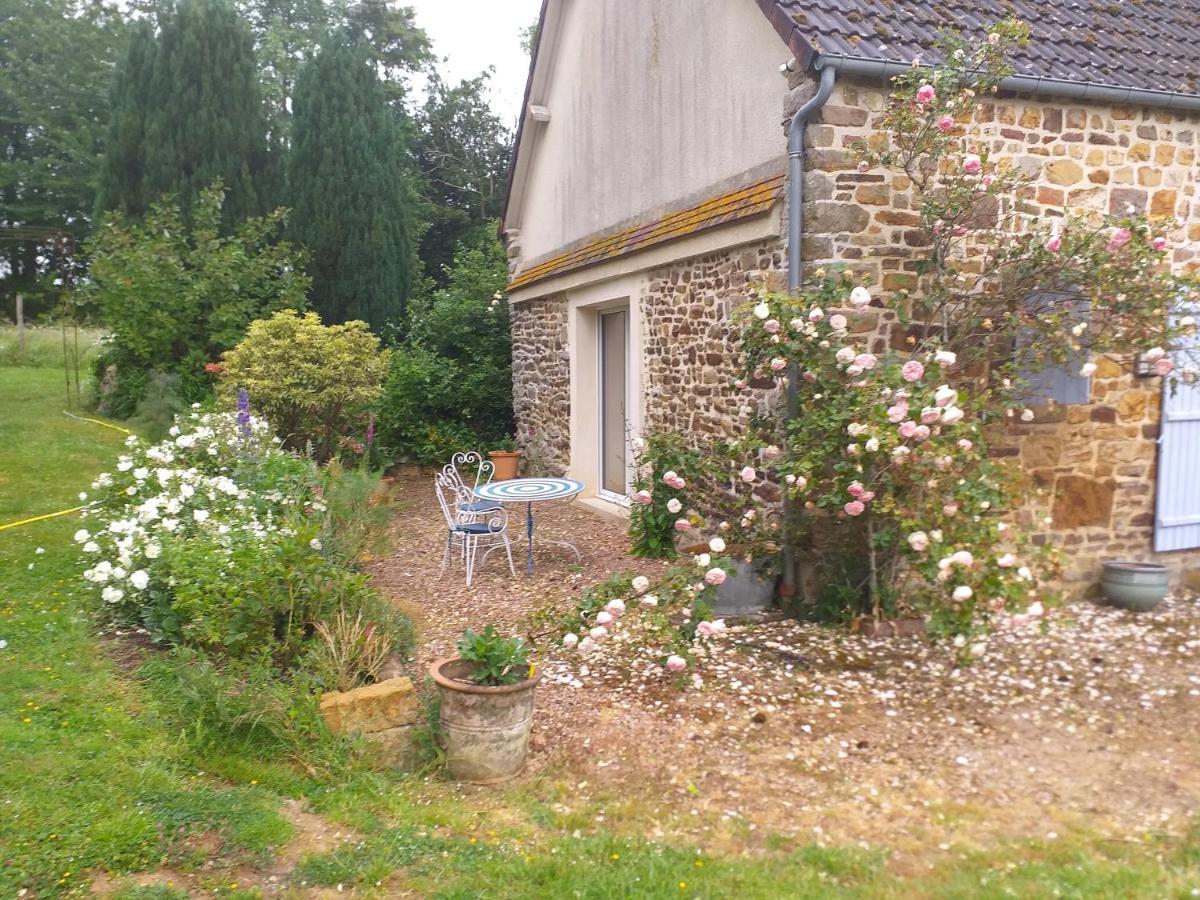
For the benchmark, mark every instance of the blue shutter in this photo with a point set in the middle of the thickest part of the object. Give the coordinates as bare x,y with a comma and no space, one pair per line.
1062,384
1177,518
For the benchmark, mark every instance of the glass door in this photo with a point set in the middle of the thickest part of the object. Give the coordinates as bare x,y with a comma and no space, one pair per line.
614,368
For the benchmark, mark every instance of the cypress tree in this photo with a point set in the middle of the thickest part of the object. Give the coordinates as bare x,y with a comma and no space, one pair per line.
188,111
348,189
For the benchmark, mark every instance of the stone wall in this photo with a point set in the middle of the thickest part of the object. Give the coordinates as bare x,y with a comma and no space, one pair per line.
542,384
1093,464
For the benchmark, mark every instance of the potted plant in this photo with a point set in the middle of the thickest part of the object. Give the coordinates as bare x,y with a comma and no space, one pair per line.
486,708
506,457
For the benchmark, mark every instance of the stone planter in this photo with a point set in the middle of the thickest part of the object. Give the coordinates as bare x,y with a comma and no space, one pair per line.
749,591
506,462
484,730
385,714
1134,585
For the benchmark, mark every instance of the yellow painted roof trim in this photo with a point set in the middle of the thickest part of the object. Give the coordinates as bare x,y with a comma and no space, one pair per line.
730,207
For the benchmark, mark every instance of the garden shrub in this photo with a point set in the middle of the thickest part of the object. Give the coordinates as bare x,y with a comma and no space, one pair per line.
211,541
357,512
174,298
664,468
450,383
316,383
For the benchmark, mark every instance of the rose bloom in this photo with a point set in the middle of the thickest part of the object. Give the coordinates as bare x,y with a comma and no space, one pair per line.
838,322
1006,561
930,414
897,412
749,474
778,364
1054,244
762,310
649,601
926,94
586,646
598,633
872,445
1087,370
682,524
972,164
908,429
865,360
1120,237
962,558
704,629
962,592
921,432
670,476
640,584
604,617
643,497
715,576
673,505
852,450
717,545
616,607
965,444
816,314
854,508
796,324
676,663
919,541
945,395
860,297
845,355
946,123
950,509
771,326
570,640
945,358
855,489
951,415
912,371
854,371
1163,366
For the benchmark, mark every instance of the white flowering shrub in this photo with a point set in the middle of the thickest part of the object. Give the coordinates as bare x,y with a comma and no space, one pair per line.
210,538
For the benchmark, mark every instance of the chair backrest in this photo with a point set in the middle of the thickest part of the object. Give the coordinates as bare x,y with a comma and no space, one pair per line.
484,468
443,485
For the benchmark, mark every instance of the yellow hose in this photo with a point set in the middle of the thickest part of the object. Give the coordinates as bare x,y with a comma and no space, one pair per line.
65,512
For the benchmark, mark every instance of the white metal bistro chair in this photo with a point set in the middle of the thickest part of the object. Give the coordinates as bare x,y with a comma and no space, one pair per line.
472,507
465,527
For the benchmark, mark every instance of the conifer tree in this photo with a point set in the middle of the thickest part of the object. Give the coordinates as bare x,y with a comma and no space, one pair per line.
187,112
348,188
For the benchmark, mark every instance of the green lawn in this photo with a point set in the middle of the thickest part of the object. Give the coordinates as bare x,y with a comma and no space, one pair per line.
93,778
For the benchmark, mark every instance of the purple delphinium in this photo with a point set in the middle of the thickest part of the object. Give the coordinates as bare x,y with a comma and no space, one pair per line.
243,412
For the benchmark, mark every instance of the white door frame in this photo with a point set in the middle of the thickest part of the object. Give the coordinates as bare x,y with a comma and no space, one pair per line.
622,305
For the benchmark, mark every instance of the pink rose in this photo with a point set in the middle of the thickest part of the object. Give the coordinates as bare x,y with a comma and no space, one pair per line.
643,497
950,509
945,123
897,412
972,164
682,524
749,474
987,180
838,322
926,94
855,489
863,166
771,326
604,617
1120,237
1054,244
705,629
616,607
912,371
867,496
952,415
778,364
676,663
921,432
854,508
964,444
715,576
930,414
908,429
865,361
1159,243
1163,366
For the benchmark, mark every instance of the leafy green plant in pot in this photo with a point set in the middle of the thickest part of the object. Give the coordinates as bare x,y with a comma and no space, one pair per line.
506,458
486,706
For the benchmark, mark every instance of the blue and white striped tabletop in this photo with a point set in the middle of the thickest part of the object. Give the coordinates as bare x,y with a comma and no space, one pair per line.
527,490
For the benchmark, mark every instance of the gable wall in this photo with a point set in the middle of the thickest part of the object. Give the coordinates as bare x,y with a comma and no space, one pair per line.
650,101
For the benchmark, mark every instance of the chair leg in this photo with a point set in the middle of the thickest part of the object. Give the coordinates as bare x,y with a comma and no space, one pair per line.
508,550
469,547
446,554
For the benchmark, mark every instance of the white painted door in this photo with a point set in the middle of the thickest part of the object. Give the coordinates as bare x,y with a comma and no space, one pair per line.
614,386
1177,519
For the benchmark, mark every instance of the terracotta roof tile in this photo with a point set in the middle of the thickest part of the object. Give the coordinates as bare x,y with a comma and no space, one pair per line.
729,207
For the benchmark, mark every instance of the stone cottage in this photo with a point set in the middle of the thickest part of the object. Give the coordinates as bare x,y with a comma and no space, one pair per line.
649,190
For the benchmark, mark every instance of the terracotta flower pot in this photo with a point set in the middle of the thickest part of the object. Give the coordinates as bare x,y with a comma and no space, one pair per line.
485,730
506,462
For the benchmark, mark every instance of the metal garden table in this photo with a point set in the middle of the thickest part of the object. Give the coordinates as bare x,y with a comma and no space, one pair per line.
530,491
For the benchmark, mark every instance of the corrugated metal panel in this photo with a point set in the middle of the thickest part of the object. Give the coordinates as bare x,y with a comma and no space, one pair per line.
1177,518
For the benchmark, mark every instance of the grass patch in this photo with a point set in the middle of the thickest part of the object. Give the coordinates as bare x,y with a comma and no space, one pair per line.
44,347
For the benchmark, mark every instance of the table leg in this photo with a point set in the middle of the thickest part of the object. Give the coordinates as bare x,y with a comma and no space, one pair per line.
529,535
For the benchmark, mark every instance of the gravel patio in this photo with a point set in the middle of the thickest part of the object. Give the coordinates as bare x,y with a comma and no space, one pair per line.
1087,719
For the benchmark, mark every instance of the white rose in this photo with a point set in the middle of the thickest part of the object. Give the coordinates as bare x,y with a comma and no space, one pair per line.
81,535
845,355
762,310
717,545
945,358
140,579
1087,370
200,515
962,592
641,584
860,297
112,595
673,505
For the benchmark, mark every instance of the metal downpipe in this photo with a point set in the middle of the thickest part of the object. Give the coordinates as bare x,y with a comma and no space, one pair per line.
795,264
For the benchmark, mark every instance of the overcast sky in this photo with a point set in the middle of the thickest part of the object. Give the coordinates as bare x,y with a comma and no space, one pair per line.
475,34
